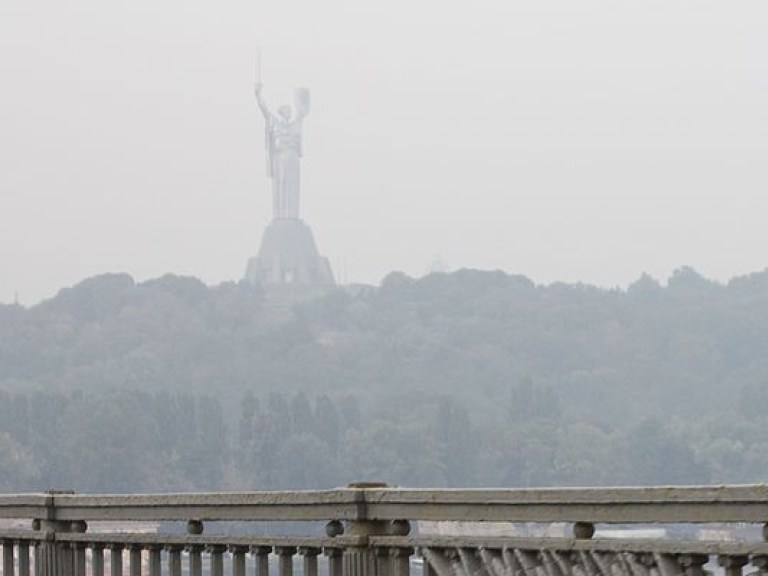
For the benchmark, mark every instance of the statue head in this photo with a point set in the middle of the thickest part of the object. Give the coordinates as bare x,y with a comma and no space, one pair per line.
285,112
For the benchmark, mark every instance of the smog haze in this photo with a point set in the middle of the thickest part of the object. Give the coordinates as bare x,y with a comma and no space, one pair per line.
579,141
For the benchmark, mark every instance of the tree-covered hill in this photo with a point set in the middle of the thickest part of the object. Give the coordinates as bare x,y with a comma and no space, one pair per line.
689,347
501,381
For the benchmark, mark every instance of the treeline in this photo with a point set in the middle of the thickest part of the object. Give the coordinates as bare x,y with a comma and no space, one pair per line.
130,441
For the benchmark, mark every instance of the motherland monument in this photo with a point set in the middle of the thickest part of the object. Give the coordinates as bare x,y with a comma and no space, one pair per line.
288,256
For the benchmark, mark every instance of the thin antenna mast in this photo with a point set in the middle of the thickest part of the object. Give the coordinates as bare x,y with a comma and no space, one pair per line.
258,65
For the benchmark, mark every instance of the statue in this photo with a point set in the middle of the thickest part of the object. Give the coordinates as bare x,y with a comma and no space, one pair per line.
288,263
283,144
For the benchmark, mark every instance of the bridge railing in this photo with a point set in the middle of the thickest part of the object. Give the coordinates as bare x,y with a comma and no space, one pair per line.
371,530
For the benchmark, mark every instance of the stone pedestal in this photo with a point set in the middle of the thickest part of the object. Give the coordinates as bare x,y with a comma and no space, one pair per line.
288,257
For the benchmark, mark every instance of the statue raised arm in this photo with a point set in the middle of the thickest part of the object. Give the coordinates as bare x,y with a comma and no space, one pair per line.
268,116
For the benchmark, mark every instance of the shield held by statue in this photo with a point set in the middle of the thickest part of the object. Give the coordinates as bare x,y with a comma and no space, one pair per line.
301,101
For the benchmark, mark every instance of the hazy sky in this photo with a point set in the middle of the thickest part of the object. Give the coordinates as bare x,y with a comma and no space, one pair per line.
576,140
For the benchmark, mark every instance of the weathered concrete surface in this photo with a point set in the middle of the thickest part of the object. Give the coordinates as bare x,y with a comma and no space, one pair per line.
368,532
704,504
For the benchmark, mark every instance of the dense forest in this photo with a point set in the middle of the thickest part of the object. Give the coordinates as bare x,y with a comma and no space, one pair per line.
462,379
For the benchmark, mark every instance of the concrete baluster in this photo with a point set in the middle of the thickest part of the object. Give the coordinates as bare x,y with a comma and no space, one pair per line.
97,559
471,565
760,562
567,562
401,561
529,562
36,556
649,561
78,556
637,564
453,558
285,559
134,560
732,564
195,559
621,565
383,561
115,559
439,561
174,560
309,554
217,559
692,564
261,554
238,560
335,562
601,561
492,560
8,562
22,549
549,564
511,565
426,567
587,563
667,564
155,560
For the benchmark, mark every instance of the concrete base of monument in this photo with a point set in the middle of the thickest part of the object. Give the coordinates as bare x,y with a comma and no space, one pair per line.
288,260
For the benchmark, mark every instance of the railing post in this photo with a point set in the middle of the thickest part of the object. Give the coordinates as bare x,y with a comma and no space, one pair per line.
48,557
359,557
78,548
54,558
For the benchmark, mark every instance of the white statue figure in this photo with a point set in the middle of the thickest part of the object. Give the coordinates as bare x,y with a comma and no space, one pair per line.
283,143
